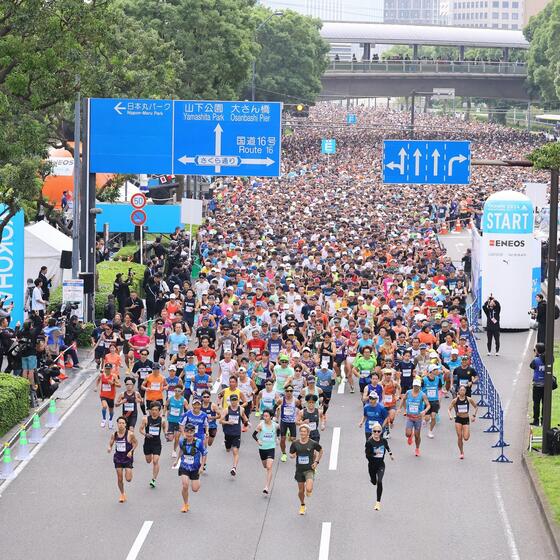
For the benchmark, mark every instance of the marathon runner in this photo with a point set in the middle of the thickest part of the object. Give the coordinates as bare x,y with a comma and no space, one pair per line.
462,405
288,415
376,447
125,443
232,417
107,383
265,436
151,428
417,406
129,400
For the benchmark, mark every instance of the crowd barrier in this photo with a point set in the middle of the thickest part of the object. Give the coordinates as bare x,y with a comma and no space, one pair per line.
485,389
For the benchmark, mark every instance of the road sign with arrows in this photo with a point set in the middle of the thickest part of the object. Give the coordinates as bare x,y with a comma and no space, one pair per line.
426,162
185,137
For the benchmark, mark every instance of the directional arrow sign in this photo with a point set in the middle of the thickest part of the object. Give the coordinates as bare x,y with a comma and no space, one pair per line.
188,137
426,162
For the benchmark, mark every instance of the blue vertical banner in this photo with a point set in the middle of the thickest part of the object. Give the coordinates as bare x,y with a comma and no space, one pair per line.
12,283
536,285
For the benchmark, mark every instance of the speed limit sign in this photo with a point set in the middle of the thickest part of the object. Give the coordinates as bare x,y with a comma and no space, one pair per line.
138,200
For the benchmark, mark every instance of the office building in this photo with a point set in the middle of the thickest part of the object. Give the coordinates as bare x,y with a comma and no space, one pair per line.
532,8
332,10
496,14
421,12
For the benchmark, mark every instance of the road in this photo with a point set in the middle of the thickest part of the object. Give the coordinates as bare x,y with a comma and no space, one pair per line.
65,500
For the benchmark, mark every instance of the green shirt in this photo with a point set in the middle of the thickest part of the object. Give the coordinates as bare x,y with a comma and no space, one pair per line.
365,366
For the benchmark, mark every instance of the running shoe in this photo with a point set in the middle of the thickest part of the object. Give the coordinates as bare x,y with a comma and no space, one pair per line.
257,414
185,508
122,498
302,510
110,424
174,454
409,439
352,389
233,471
103,423
461,456
284,458
377,506
265,491
153,483
496,354
417,452
431,434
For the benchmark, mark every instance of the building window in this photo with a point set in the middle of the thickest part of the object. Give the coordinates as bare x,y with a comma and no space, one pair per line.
514,15
514,26
495,15
505,15
515,5
505,4
495,4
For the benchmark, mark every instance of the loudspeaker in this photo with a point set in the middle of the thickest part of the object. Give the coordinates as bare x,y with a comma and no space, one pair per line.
66,259
89,284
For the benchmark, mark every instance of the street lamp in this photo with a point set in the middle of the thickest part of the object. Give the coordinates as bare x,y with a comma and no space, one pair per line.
278,13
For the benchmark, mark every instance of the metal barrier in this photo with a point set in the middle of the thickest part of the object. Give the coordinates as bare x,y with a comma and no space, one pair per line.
489,397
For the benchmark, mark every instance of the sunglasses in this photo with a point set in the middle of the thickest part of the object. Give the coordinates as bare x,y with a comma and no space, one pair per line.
376,431
289,390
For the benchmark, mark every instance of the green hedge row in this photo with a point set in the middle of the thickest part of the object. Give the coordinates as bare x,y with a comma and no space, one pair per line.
14,401
106,272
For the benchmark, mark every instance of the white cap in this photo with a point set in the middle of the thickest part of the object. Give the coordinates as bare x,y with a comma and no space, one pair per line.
290,331
385,307
417,382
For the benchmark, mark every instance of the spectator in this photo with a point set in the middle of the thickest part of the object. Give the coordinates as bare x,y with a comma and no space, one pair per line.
492,310
46,283
38,304
538,367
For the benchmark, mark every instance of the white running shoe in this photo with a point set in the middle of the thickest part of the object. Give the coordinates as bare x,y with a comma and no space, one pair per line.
103,423
174,454
496,354
488,353
110,424
431,434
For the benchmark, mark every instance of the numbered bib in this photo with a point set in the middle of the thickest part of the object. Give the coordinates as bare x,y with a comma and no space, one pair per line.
303,460
154,430
155,386
312,426
413,408
189,459
432,392
105,387
121,446
388,398
463,382
462,408
128,406
174,411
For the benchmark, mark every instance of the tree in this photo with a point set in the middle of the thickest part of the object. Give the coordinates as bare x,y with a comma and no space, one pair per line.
213,37
292,57
543,31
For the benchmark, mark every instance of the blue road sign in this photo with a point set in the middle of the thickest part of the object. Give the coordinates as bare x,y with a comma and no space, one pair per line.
185,137
328,146
426,162
138,217
351,118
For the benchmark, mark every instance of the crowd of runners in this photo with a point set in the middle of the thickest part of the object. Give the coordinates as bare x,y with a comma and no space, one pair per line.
321,282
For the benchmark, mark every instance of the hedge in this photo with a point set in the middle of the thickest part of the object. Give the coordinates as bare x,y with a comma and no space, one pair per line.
14,401
106,272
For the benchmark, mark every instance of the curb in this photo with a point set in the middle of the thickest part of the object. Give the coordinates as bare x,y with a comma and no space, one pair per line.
551,526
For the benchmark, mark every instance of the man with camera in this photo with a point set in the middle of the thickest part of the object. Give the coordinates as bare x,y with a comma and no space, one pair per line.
121,289
492,310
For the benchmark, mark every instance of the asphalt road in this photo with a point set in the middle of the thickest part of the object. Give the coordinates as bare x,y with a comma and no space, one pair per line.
64,503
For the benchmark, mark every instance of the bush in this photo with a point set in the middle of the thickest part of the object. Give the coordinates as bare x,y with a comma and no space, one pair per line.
84,338
125,252
14,401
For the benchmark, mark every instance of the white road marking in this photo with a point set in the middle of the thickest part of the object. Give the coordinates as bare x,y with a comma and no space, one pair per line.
139,541
325,540
513,552
333,459
216,386
518,370
342,385
39,445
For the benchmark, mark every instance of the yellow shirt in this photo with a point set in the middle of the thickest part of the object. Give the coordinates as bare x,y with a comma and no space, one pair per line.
227,394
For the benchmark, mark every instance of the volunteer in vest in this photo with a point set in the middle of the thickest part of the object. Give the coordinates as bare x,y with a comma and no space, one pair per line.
464,407
538,366
231,419
125,443
417,406
151,428
376,447
307,454
107,383
191,452
129,400
265,436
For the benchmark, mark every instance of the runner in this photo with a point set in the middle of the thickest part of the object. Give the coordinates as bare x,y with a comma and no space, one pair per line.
129,400
325,382
376,447
417,406
125,443
191,453
308,454
231,418
151,428
212,414
107,383
431,385
265,436
462,404
373,413
266,399
391,394
363,366
282,372
175,407
288,408
155,386
199,420
312,417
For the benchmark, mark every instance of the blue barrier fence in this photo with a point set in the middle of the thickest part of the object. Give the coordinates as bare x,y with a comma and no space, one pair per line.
485,390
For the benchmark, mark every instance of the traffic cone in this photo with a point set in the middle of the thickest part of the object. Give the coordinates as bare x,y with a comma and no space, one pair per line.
458,225
36,431
52,415
60,363
7,470
23,447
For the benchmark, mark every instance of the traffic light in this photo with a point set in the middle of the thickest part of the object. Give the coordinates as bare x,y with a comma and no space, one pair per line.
300,110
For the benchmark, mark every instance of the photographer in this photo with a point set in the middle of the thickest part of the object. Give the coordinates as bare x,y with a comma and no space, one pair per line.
121,289
27,338
539,314
73,330
492,310
7,338
538,367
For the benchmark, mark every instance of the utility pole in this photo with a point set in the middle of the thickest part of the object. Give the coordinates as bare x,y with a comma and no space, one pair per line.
76,197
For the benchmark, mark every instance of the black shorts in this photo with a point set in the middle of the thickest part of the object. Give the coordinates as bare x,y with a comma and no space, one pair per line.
212,432
285,426
152,446
462,421
434,407
232,441
266,454
327,396
149,403
339,360
127,465
99,352
131,420
172,427
110,402
193,475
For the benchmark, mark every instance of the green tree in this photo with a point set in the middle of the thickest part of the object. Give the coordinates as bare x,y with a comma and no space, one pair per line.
543,31
291,57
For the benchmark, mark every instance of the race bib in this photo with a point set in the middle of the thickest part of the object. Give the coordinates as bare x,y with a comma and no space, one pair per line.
406,372
432,392
388,398
234,418
289,410
154,430
155,386
303,460
312,426
267,436
128,336
189,460
205,359
379,452
105,387
325,362
121,446
364,373
462,408
463,382
174,411
128,406
413,408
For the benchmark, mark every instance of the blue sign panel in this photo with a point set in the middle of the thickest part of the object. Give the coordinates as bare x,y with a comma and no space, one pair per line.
328,146
12,282
185,137
161,218
426,162
351,118
508,216
536,285
131,136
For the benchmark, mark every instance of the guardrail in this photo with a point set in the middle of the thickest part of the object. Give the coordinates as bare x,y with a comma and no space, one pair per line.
489,397
428,66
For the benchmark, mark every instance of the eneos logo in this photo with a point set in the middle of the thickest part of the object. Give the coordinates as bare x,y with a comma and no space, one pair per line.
506,243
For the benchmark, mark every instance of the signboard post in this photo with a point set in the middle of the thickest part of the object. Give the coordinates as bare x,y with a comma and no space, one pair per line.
426,162
328,146
73,295
351,118
138,218
191,213
185,137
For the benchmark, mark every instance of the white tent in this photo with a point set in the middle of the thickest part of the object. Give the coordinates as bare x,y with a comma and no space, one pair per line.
43,246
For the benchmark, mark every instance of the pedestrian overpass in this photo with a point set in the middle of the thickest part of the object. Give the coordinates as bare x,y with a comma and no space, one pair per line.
398,78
